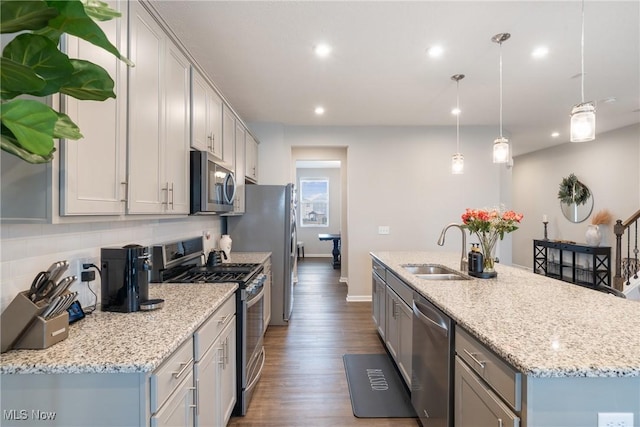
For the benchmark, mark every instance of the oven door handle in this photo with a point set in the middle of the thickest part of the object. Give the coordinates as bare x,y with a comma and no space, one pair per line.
256,298
259,374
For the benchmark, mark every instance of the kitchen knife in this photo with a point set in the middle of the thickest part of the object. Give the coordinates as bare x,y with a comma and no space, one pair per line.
66,301
59,269
62,286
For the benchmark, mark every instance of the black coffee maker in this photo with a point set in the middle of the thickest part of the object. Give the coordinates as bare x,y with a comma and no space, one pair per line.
125,278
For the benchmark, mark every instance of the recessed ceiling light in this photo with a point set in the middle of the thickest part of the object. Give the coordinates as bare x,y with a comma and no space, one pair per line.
319,110
435,51
322,50
456,111
540,52
555,134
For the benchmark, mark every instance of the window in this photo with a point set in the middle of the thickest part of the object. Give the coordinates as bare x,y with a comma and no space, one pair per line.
314,202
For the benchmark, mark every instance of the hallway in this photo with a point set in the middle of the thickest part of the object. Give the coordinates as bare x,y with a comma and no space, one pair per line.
304,383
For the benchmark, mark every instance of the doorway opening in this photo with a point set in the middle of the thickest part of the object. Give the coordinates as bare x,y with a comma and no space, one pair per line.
319,174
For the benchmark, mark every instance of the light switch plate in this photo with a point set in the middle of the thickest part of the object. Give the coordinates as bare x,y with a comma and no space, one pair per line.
383,229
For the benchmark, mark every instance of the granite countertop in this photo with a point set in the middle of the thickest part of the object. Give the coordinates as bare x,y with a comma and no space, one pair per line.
542,326
106,342
249,257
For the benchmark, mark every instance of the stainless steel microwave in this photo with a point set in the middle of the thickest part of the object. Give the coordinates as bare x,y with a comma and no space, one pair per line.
213,188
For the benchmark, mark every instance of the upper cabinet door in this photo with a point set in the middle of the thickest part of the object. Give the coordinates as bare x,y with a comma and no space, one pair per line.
93,169
251,154
206,112
228,137
176,129
147,191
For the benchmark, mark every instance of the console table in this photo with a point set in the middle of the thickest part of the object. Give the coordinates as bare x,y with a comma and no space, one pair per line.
336,247
560,260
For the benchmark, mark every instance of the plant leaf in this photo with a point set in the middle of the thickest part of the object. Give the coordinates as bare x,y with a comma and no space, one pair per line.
66,128
89,82
41,55
73,20
100,10
18,16
10,145
17,79
32,124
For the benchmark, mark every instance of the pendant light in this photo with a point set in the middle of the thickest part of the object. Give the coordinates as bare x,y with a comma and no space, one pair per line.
583,115
501,144
457,160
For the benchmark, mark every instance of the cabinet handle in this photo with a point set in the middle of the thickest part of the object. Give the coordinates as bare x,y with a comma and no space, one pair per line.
226,352
473,357
197,396
178,374
499,422
125,183
166,189
195,390
171,191
224,319
221,354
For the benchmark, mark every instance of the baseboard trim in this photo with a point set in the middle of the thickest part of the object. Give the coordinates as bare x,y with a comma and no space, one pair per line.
358,298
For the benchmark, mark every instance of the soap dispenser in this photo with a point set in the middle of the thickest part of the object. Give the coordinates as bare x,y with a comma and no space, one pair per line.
476,259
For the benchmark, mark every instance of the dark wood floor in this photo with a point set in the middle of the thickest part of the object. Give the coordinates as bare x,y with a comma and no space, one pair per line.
303,383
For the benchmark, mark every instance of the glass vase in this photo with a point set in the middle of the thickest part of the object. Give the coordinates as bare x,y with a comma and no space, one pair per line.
488,242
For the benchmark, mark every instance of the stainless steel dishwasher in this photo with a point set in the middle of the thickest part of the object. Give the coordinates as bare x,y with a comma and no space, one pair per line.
432,382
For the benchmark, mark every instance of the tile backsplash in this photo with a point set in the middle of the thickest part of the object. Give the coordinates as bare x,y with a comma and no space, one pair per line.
27,249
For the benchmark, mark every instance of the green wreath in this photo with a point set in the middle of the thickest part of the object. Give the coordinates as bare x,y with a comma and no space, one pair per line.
573,191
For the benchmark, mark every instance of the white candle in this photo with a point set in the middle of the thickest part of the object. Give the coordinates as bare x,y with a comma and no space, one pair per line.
544,218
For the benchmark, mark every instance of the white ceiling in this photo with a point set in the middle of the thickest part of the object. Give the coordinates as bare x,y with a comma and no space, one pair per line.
260,55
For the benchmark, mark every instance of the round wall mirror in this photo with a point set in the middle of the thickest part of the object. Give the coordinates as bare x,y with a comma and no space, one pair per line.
576,201
575,212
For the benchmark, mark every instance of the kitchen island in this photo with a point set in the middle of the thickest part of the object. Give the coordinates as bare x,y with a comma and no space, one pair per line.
578,350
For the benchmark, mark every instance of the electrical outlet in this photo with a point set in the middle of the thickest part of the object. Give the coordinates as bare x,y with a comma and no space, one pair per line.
383,229
615,419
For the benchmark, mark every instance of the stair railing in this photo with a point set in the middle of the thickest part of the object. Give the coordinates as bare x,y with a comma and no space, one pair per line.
626,267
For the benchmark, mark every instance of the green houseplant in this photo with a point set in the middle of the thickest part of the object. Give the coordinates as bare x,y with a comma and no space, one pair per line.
33,65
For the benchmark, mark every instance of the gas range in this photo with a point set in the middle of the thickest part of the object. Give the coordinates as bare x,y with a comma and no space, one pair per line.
182,262
231,272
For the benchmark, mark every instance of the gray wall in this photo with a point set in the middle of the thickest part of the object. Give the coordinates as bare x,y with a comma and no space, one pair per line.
609,166
396,176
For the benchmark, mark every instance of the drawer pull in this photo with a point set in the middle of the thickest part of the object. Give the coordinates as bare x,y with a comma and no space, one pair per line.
473,357
499,422
224,319
178,374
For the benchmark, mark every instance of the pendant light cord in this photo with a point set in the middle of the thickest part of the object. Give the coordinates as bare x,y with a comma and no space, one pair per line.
458,116
582,54
500,90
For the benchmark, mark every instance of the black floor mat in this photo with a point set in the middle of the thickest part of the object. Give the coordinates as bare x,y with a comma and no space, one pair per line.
376,389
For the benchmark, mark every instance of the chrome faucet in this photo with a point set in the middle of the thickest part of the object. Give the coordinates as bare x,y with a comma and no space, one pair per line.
464,262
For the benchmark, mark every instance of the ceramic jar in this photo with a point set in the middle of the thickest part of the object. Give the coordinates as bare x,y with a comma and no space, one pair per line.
593,236
225,246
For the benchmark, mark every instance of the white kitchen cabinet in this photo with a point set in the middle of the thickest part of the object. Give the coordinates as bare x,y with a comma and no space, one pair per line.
251,171
93,169
206,110
158,119
215,367
238,207
228,137
178,411
176,130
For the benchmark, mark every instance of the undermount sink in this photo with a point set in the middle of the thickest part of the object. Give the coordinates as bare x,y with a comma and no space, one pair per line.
434,272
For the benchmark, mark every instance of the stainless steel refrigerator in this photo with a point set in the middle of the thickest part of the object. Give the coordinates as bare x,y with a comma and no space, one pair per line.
269,225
